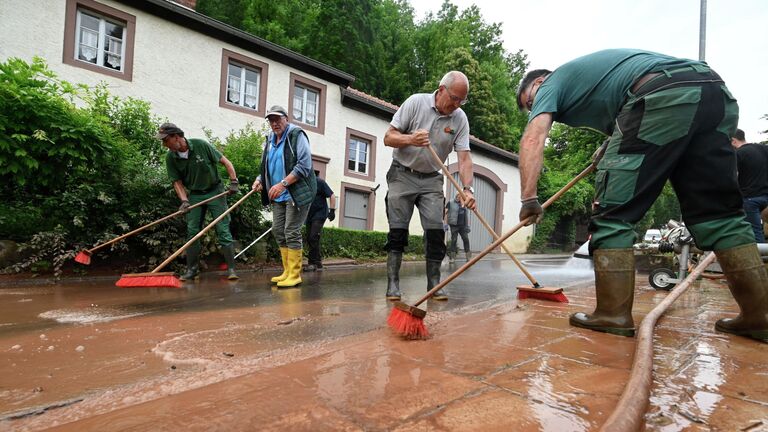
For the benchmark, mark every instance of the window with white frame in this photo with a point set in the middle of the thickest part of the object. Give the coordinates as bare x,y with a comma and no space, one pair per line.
305,105
243,86
360,155
357,159
100,41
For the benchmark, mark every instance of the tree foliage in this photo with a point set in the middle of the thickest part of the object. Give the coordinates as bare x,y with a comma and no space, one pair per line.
43,134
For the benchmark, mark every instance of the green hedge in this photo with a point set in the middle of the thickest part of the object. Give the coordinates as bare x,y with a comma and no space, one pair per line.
356,244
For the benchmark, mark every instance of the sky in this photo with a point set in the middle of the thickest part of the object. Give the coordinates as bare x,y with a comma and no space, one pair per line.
553,32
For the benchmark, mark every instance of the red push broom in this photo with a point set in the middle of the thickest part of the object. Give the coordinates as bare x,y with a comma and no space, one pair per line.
84,256
523,291
408,321
169,279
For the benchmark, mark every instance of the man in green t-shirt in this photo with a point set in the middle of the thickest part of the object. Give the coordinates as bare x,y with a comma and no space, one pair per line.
191,165
667,119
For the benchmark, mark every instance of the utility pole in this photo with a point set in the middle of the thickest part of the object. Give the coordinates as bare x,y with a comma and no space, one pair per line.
703,31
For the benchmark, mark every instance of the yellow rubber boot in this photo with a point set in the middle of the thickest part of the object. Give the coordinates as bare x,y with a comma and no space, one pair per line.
283,276
293,258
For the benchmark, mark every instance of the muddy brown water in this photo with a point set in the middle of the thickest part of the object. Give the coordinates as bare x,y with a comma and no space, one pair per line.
219,355
66,342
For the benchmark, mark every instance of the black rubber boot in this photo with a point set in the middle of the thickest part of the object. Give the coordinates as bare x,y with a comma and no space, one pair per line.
433,278
748,282
394,259
229,256
615,293
193,263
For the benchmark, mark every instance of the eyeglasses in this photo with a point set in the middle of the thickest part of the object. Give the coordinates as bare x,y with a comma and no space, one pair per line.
529,99
455,98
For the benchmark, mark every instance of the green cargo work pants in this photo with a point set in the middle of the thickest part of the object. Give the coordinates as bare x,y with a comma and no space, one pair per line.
196,216
677,128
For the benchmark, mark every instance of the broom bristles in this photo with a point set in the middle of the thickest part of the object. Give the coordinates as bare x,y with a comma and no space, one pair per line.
149,280
83,257
407,325
559,297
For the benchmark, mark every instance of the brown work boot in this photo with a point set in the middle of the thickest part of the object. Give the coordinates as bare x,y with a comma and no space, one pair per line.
615,292
748,281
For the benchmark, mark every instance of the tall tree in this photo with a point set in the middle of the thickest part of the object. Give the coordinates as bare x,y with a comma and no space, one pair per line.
464,41
282,22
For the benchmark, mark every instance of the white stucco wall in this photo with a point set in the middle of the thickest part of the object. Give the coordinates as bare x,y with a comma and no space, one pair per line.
179,70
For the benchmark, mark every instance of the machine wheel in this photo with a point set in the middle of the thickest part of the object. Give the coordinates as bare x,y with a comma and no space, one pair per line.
661,278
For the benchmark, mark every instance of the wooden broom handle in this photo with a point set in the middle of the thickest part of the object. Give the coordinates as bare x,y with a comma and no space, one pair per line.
151,224
202,232
493,233
505,236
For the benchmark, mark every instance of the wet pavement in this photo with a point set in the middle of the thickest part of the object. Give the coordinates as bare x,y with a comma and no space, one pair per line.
219,355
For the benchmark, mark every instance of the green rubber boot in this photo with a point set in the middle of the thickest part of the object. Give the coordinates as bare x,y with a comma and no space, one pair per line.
193,263
615,292
229,256
748,282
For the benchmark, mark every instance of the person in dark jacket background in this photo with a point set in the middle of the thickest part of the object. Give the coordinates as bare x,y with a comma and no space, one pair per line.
287,183
752,165
318,213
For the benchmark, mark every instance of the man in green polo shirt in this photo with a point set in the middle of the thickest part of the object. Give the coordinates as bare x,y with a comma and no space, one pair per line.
667,119
191,165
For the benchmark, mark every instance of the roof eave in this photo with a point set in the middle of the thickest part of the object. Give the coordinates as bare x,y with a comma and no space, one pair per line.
189,18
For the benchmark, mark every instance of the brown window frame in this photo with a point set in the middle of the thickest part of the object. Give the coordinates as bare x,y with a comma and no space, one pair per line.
371,175
343,204
320,163
313,85
70,22
226,56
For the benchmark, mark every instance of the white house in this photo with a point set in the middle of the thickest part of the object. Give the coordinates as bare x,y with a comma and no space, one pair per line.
201,73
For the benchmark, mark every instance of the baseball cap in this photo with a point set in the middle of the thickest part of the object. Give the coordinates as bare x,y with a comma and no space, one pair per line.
276,110
167,129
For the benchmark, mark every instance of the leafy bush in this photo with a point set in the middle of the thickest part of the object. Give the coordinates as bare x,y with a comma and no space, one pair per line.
44,138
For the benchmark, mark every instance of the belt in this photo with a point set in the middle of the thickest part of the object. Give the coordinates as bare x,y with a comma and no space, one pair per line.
400,167
680,76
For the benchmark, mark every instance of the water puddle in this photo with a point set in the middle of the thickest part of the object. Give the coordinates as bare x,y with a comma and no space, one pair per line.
87,316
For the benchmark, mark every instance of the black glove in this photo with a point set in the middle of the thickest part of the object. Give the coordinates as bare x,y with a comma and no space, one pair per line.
531,209
600,152
184,207
331,214
233,187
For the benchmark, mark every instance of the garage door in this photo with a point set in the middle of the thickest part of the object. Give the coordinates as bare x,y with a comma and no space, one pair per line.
485,194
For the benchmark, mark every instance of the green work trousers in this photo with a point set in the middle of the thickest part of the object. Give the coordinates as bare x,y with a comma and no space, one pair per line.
677,128
196,216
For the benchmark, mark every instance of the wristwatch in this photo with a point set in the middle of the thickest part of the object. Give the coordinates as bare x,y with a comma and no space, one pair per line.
470,189
284,183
